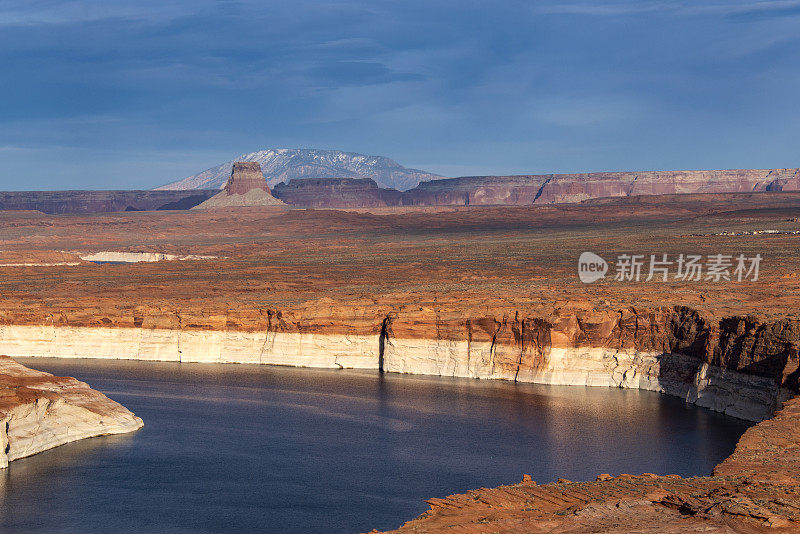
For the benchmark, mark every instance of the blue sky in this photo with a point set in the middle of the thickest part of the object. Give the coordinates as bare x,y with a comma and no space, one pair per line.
107,94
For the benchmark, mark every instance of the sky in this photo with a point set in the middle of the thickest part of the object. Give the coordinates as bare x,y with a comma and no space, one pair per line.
104,94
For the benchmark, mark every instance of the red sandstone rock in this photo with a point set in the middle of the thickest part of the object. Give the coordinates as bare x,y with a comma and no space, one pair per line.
39,411
246,187
567,188
245,176
57,202
336,193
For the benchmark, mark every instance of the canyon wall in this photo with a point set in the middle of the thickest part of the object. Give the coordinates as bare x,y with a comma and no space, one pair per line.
737,365
58,202
336,193
526,190
39,411
469,190
567,188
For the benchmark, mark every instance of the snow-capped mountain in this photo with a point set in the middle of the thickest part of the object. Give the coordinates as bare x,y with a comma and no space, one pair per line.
281,165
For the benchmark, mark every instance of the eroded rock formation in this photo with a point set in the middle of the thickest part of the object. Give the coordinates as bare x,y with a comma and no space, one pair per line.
39,411
245,176
566,188
57,202
336,193
283,165
527,190
245,187
741,366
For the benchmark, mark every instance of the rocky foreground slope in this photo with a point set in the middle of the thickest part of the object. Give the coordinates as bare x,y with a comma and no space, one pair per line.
39,411
755,490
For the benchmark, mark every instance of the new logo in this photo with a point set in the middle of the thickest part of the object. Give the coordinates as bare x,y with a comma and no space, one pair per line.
591,267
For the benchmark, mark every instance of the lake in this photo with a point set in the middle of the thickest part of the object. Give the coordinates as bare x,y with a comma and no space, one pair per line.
241,448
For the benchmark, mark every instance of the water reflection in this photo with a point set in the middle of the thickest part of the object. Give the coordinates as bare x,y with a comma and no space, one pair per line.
249,448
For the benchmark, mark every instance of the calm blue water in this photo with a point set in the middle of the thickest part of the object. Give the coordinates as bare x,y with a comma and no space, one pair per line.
236,448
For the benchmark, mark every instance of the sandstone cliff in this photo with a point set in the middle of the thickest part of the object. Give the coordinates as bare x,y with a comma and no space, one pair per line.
566,188
531,189
741,366
58,202
336,193
39,411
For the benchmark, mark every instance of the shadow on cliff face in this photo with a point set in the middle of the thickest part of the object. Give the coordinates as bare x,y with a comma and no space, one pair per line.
696,353
763,354
745,344
383,339
769,350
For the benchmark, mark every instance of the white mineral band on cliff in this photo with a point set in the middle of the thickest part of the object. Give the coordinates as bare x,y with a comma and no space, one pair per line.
39,411
731,392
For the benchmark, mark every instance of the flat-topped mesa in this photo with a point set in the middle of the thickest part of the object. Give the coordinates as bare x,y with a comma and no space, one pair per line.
336,193
246,176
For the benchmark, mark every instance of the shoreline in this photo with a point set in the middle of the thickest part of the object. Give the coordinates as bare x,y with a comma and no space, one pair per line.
752,490
500,353
39,411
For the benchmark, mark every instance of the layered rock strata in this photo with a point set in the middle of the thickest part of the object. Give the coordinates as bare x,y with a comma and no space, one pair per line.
39,411
738,365
336,193
355,192
525,190
59,202
245,176
567,188
245,187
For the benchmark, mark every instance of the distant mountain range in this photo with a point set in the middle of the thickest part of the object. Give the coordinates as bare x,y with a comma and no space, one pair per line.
282,164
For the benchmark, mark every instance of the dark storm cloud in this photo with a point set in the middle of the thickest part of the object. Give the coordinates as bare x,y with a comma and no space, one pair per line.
150,91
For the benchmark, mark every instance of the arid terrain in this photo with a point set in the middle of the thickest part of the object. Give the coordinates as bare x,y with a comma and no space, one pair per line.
465,260
487,292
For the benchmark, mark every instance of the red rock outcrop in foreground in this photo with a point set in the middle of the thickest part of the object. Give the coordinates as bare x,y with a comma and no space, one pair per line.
754,490
465,291
39,411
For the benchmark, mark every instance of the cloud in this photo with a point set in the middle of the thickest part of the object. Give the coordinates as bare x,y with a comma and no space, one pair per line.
733,8
512,85
53,12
